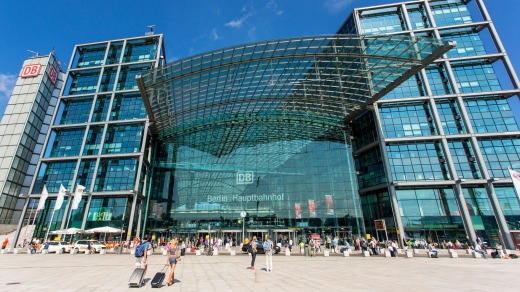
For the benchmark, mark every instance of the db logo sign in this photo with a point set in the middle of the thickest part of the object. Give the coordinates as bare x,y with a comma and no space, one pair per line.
245,178
53,75
30,70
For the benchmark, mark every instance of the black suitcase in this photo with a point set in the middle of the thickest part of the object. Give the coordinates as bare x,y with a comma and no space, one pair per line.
136,280
183,252
158,279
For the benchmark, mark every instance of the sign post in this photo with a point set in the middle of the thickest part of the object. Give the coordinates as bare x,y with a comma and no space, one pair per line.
243,215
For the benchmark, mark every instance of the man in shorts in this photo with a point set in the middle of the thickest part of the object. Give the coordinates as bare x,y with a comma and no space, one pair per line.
140,262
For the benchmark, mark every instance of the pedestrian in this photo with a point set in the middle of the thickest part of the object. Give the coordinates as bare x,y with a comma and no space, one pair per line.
312,250
252,250
141,252
433,249
268,249
335,245
478,248
173,257
4,244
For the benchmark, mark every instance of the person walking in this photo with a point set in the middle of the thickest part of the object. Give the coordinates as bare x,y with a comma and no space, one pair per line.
268,249
141,252
252,250
172,258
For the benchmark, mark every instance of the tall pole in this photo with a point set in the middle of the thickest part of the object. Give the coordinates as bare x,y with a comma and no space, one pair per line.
49,226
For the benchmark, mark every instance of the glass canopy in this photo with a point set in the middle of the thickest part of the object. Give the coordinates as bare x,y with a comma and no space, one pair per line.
287,89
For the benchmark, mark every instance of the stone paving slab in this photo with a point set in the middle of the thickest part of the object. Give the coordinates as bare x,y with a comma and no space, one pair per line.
80,272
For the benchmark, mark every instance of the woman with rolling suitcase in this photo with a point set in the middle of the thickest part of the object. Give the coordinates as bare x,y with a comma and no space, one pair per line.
173,256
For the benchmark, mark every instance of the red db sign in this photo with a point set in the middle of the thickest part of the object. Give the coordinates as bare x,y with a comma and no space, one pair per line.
30,70
53,75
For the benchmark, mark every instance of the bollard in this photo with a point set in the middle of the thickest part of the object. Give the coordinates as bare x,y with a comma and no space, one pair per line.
73,251
103,251
59,251
3,251
164,252
215,252
287,253
409,254
415,251
476,255
132,251
388,254
325,253
453,254
197,252
346,254
232,252
366,254
45,251
87,251
468,251
16,251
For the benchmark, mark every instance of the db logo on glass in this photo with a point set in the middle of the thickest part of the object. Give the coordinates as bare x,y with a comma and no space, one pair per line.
53,75
30,70
245,178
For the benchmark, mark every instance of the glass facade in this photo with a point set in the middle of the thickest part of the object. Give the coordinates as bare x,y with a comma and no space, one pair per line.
98,137
22,133
442,132
186,147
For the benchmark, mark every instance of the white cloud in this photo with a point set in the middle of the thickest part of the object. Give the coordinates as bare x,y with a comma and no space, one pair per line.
337,5
236,23
213,34
7,82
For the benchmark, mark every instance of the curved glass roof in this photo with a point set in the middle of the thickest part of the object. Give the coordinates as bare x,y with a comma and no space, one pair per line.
296,88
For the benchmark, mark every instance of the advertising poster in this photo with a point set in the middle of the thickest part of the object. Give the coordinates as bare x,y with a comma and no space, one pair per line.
312,209
329,205
298,210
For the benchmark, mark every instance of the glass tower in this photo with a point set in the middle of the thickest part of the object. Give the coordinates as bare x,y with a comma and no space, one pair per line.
22,131
98,138
432,156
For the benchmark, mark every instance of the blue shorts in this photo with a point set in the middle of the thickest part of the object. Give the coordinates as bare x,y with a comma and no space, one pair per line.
173,260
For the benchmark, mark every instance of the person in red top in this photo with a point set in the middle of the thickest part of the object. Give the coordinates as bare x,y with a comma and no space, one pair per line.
4,244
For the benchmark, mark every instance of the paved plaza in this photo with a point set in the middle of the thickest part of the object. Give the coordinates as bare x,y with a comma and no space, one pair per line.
110,272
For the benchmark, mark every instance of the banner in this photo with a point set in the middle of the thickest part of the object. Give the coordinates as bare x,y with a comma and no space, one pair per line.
312,209
329,205
77,196
298,210
59,199
515,176
43,197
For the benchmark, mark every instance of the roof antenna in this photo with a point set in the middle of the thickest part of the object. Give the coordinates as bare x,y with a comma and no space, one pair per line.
36,54
151,27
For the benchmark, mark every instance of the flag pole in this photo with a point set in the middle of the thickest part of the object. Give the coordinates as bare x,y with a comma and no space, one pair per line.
49,226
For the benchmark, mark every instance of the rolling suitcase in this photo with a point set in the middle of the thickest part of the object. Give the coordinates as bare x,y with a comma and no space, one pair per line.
136,280
159,278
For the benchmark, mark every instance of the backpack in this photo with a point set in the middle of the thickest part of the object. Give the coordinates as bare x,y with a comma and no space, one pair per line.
267,245
140,249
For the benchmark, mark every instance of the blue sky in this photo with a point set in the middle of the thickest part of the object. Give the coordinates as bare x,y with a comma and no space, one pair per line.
189,26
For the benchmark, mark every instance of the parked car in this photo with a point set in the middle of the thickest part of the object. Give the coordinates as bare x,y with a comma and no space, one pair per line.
82,245
260,247
54,246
